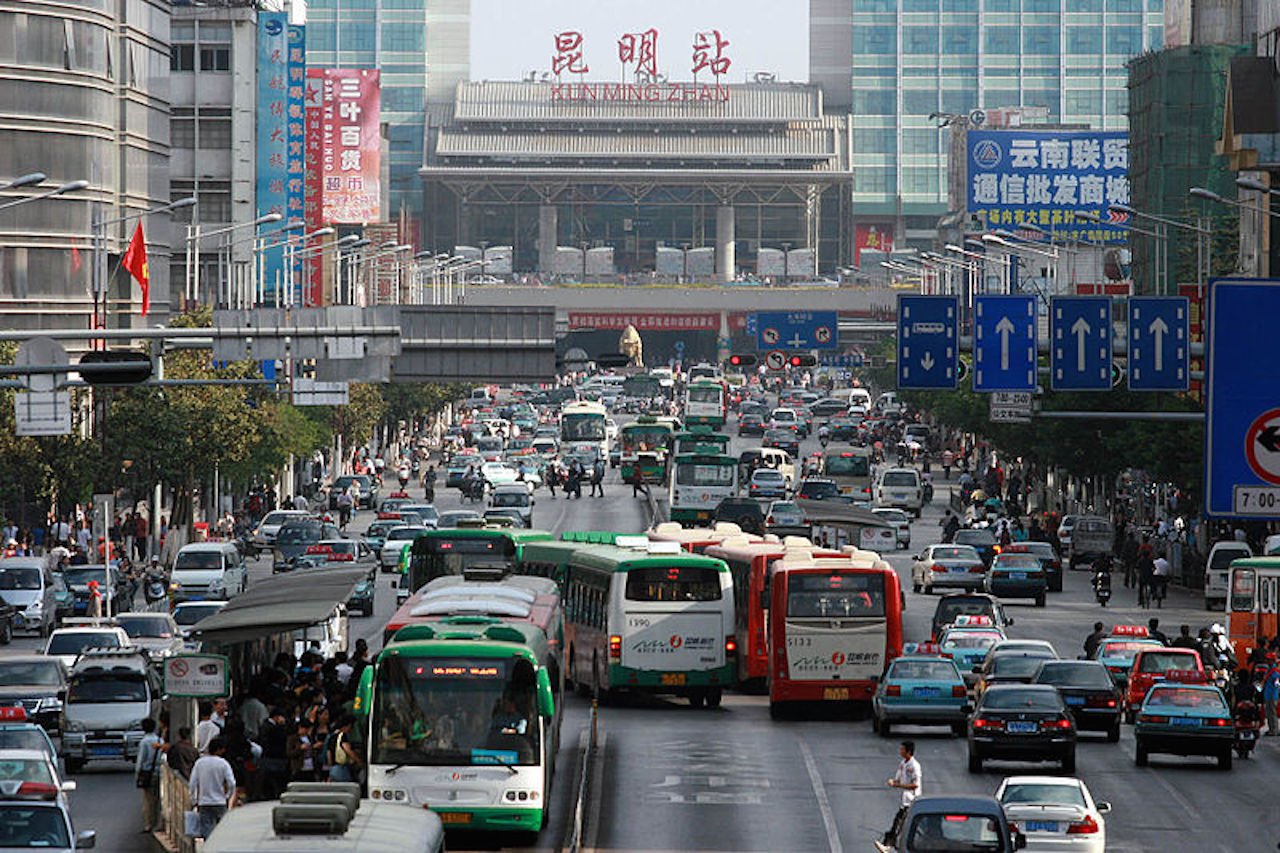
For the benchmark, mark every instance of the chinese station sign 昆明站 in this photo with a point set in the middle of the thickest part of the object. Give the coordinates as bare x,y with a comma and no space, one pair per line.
638,53
1046,178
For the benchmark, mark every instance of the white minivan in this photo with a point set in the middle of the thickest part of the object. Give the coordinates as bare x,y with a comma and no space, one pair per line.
901,488
208,570
1216,570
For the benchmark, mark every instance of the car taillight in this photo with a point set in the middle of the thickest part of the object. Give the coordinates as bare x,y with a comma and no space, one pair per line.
1088,826
984,723
730,645
1218,721
936,568
1060,724
1100,701
615,646
976,570
957,690
893,690
1152,718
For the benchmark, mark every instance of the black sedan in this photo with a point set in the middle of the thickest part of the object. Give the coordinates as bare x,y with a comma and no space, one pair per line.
1088,692
981,539
1022,722
842,429
751,424
783,439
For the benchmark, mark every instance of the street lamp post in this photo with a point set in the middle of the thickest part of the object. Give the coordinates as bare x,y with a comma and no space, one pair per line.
1160,235
291,253
1259,211
1204,248
27,180
194,236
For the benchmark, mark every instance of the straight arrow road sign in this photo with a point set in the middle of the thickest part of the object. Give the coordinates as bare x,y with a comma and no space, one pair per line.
1158,343
1004,343
1080,328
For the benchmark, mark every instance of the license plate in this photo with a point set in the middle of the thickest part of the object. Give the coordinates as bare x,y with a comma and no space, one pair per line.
900,495
1042,826
1248,734
835,693
1018,576
106,750
958,570
1073,700
924,691
1184,721
1021,728
672,679
455,818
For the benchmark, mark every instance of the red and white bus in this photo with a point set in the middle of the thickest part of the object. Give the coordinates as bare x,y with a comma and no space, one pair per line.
834,625
749,560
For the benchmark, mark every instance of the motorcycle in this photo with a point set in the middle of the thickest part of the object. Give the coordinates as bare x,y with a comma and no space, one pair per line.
1102,587
155,588
823,437
1248,726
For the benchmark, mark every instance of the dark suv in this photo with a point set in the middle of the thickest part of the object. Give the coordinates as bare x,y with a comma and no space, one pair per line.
744,512
968,604
293,539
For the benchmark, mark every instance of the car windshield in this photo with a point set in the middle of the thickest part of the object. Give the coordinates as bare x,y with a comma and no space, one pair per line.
899,478
24,737
107,688
197,560
42,672
767,476
954,833
1020,700
81,575
74,643
812,489
155,627
1015,666
511,499
25,770
1222,557
975,537
968,640
1187,697
949,609
190,614
19,577
1074,674
1124,649
1166,661
1043,793
965,553
923,670
401,534
1016,562
297,534
276,518
33,827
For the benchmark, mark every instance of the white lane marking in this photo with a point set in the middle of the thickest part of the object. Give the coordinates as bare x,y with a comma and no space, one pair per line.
1175,794
824,804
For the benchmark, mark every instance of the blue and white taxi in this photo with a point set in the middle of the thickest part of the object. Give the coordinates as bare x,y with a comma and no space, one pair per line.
923,688
967,642
1184,715
1118,650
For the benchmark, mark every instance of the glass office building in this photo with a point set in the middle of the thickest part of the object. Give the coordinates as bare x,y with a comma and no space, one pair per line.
390,35
915,58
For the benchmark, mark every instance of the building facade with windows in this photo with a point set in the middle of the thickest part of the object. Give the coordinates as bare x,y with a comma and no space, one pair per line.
213,88
901,67
84,95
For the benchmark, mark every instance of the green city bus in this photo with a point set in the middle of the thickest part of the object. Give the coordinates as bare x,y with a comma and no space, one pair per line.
462,716
436,553
645,444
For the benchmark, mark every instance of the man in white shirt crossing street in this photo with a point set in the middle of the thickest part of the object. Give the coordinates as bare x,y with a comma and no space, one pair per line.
907,779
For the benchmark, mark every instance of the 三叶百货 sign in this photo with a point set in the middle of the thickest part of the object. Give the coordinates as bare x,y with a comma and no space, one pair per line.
196,676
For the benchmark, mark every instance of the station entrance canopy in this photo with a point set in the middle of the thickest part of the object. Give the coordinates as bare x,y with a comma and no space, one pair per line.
588,178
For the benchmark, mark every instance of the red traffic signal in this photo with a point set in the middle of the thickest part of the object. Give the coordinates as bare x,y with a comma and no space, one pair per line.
745,359
803,360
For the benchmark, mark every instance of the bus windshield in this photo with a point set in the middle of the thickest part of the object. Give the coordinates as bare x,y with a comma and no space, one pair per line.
436,558
455,711
583,427
847,465
838,594
644,440
697,474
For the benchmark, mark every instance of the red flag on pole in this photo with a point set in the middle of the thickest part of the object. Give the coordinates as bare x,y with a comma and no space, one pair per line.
135,261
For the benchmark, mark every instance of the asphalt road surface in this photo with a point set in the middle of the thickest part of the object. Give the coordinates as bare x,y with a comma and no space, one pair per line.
732,779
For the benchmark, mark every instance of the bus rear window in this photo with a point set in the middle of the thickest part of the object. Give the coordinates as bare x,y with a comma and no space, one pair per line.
835,594
692,474
1242,585
675,583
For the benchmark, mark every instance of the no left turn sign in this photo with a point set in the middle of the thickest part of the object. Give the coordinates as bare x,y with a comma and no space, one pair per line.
776,360
823,334
770,336
1262,446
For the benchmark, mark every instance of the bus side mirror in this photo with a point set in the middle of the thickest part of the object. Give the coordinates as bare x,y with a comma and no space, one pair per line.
546,701
363,693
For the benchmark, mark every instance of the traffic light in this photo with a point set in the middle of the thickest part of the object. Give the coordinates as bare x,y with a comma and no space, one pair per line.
801,359
115,367
745,359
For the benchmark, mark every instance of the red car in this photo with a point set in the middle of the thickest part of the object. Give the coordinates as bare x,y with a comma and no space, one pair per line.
1152,665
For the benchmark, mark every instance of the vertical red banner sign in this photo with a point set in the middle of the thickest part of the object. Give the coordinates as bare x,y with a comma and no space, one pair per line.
352,146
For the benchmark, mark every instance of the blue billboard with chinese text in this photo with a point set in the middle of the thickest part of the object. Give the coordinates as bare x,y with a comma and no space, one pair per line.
273,135
1046,178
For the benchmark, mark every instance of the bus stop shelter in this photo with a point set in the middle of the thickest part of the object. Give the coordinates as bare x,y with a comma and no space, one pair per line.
277,614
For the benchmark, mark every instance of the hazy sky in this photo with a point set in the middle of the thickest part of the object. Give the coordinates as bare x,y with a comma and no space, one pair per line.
509,38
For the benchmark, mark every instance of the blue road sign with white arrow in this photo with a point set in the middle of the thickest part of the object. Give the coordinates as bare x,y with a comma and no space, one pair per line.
1004,343
1242,418
797,330
1159,350
1080,350
928,333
